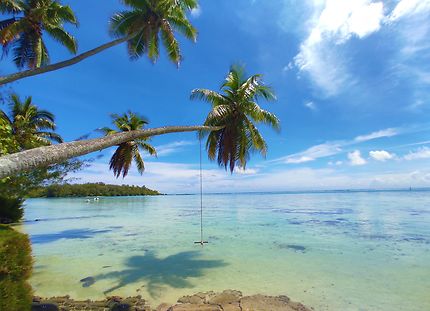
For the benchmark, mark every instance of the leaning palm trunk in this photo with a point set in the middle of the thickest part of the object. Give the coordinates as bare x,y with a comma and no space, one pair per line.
37,71
43,156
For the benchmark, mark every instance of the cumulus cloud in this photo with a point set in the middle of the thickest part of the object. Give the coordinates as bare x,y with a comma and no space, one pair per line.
381,155
355,158
409,7
331,148
337,22
333,23
421,153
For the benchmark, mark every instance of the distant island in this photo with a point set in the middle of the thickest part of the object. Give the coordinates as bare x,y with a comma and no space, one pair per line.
89,189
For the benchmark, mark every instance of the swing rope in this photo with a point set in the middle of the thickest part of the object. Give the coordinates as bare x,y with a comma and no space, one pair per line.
201,242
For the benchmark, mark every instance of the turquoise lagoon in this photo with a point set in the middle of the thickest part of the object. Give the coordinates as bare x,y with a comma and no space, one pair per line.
331,251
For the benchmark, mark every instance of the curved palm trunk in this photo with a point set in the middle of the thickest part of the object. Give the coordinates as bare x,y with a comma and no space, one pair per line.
37,71
43,156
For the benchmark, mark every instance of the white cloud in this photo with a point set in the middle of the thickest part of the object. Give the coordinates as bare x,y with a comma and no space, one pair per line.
355,158
248,171
167,149
337,22
333,147
333,22
422,153
409,7
184,178
313,153
381,155
379,134
311,105
196,12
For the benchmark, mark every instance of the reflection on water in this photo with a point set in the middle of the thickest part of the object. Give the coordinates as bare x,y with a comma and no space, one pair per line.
332,251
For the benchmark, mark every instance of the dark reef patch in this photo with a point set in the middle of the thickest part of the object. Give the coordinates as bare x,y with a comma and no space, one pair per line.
294,247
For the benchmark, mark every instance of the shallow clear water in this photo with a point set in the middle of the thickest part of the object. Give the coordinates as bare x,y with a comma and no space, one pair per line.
331,251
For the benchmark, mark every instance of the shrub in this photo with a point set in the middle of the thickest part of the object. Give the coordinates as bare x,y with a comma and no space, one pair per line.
11,209
15,269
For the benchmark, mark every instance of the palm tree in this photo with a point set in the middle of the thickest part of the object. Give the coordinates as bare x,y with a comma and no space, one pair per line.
142,27
128,151
232,133
25,34
29,126
236,108
148,21
43,156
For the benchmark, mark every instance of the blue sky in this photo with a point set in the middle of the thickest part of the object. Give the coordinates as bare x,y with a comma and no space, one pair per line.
352,80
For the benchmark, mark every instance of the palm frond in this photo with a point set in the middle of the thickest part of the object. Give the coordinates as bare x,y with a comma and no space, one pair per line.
51,136
209,96
148,148
138,160
11,6
182,25
106,131
121,160
170,43
63,37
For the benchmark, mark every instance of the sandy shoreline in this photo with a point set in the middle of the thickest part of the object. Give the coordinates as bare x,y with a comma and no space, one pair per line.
228,300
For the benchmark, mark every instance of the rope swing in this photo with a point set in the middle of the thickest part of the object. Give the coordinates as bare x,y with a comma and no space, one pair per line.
201,242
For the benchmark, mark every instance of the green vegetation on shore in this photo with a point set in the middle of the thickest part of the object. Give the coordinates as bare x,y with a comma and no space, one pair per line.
90,189
15,269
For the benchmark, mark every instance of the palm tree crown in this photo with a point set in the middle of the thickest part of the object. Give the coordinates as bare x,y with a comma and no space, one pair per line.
126,152
30,126
25,33
236,108
148,20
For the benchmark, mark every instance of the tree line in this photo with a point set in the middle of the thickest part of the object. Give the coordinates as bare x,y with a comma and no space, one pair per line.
90,190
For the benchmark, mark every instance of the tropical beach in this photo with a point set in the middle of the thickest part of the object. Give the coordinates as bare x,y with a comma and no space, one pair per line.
183,155
329,251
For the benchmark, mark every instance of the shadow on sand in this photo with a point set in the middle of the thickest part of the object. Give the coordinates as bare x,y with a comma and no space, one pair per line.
157,272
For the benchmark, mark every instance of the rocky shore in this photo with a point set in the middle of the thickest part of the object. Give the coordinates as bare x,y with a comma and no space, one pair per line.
228,300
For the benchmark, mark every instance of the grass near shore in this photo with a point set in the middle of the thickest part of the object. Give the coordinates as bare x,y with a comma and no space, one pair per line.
15,269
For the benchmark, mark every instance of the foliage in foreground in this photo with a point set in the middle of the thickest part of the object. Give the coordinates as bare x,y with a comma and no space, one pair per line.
15,269
11,209
91,189
26,127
